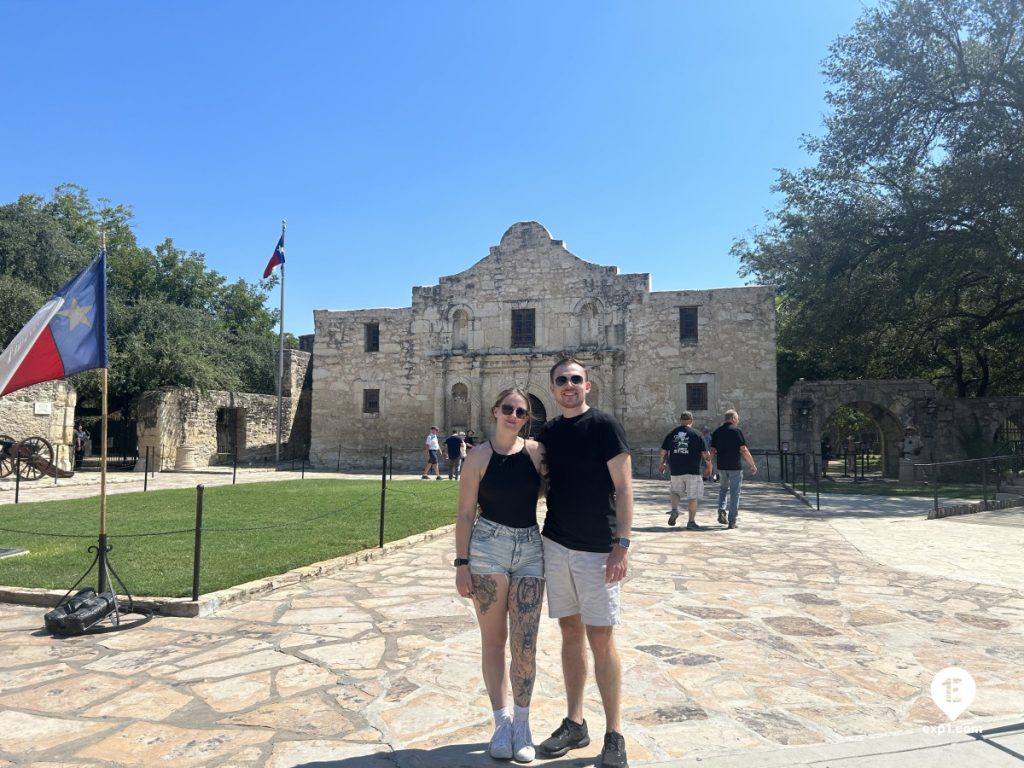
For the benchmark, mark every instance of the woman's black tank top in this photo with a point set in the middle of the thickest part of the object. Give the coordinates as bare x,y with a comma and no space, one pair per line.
508,490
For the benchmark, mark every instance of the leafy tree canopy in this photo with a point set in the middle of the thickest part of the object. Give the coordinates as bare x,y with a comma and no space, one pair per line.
901,252
171,321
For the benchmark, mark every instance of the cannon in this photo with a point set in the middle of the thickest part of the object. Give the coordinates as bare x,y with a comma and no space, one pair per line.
31,458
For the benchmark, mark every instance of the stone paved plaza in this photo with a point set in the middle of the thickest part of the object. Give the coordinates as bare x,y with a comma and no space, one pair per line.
797,631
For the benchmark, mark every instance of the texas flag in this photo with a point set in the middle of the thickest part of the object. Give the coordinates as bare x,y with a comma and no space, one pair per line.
68,335
277,258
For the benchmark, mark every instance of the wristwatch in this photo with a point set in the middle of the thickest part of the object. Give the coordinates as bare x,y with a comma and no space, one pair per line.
461,561
622,541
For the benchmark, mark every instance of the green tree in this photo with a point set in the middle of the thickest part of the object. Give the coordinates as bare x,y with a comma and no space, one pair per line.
171,321
901,252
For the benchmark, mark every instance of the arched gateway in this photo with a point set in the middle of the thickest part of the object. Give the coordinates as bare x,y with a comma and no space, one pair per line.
891,405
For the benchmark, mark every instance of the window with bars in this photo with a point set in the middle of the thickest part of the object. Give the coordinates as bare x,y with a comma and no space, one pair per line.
371,401
372,337
696,397
523,328
688,324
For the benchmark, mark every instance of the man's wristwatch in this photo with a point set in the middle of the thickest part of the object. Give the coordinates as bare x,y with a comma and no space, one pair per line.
461,561
622,541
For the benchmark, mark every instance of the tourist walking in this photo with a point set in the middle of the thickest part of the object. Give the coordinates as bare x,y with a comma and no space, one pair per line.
586,544
685,451
499,562
727,447
455,447
433,455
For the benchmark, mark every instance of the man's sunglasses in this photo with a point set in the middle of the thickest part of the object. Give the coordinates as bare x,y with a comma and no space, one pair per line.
508,410
561,381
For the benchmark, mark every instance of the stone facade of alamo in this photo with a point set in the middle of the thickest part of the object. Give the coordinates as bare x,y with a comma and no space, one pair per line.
383,377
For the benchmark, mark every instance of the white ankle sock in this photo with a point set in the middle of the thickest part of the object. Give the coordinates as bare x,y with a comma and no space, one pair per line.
521,714
501,714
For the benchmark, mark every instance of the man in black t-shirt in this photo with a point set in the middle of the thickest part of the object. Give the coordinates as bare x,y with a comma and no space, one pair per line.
684,448
453,447
586,543
727,446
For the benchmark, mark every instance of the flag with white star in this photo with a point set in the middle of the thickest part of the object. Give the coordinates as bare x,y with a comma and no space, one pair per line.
276,258
68,335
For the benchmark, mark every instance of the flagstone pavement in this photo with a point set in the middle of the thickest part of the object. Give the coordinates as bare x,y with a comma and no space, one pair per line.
797,629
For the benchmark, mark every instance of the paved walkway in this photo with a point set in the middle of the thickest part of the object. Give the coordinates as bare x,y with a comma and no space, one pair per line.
796,639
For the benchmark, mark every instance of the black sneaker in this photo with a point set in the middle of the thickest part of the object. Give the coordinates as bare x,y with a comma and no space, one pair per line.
614,753
733,525
568,735
722,519
673,515
692,526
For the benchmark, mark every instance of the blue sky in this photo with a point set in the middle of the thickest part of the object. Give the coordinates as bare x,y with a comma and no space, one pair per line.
401,139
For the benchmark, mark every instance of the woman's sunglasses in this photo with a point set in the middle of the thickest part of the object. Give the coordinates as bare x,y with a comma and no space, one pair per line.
508,410
561,381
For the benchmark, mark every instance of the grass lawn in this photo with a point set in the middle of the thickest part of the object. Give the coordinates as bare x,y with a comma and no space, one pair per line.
249,531
877,487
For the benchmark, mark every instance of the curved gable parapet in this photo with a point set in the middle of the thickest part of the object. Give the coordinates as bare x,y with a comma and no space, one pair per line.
529,262
527,234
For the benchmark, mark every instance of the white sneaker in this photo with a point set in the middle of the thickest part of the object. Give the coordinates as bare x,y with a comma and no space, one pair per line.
501,741
522,742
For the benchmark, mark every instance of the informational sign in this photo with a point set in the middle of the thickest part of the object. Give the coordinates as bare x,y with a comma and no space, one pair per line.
42,409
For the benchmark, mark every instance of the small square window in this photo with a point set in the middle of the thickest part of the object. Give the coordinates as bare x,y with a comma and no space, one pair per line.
372,337
696,397
523,328
371,401
688,324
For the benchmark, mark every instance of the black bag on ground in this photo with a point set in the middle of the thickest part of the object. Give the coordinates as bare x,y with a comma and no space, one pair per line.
79,613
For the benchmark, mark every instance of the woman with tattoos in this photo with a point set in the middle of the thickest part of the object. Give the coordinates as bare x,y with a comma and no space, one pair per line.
500,564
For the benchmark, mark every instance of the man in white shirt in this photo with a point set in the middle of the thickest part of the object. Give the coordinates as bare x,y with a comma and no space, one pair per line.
433,455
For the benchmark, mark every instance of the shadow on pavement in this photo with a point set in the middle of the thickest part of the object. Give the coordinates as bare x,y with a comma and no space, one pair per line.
451,756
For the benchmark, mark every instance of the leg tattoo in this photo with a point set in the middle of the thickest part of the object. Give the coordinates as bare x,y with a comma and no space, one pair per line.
485,590
524,603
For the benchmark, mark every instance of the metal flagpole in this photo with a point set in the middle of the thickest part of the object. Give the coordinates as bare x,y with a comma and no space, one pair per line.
103,546
280,352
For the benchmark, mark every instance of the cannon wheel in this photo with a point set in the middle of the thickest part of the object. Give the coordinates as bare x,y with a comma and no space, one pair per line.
6,459
36,455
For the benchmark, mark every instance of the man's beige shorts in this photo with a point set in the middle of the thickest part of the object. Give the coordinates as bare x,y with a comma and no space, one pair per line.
575,584
687,486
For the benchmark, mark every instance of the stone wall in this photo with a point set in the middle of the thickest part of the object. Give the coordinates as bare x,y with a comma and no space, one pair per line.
894,405
45,410
443,360
212,424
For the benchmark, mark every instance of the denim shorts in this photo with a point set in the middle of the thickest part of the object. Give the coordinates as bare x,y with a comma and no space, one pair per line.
497,549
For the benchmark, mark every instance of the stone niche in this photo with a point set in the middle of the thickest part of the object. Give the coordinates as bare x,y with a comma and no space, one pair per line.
43,410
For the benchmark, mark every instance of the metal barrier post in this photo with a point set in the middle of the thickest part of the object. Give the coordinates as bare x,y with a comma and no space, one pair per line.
984,485
383,492
391,462
17,478
803,473
56,464
145,472
817,484
339,457
198,551
234,466
303,476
